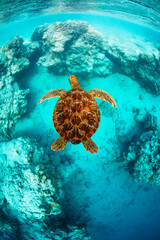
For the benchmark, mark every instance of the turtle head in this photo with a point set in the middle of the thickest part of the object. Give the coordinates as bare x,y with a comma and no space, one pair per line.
73,82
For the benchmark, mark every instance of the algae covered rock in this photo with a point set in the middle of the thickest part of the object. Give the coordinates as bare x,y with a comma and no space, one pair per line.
15,59
137,59
78,233
13,104
3,65
14,50
142,158
68,232
32,192
8,228
30,186
74,47
18,55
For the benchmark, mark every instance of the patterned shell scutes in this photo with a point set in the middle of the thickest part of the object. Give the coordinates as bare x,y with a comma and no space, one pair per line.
76,115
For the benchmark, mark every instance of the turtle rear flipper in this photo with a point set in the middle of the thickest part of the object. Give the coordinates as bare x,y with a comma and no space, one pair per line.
90,146
102,95
58,144
54,93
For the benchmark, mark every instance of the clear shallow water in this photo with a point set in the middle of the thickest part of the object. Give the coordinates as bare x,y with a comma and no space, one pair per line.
144,12
99,191
105,24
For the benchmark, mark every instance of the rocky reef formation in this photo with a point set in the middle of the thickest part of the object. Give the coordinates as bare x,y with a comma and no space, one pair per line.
32,192
45,232
74,47
142,157
137,59
8,228
27,186
16,56
13,104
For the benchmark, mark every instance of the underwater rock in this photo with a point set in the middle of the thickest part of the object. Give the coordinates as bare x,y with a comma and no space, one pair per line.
30,186
13,104
150,122
136,59
14,48
8,228
78,233
49,232
16,66
142,158
32,191
73,47
19,54
15,52
3,65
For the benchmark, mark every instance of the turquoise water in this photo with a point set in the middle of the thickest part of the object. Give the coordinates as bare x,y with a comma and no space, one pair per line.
104,192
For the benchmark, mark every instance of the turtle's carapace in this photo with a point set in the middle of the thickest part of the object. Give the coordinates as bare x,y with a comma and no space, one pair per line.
76,115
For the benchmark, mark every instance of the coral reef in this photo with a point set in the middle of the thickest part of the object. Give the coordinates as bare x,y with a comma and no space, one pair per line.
136,59
68,232
15,59
18,55
72,47
32,192
142,157
8,228
26,185
13,105
78,233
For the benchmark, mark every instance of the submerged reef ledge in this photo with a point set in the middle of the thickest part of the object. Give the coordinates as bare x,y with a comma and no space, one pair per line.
15,59
13,105
72,47
142,157
32,192
75,47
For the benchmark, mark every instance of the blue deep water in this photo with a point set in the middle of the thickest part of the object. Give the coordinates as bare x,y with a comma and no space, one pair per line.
113,194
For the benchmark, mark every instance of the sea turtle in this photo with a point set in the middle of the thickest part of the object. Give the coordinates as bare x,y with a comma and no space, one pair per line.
76,115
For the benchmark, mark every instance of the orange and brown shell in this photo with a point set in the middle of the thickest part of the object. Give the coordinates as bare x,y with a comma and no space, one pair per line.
76,116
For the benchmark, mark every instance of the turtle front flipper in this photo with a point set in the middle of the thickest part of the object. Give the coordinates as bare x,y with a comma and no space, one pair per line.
58,144
90,146
73,82
54,93
102,95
